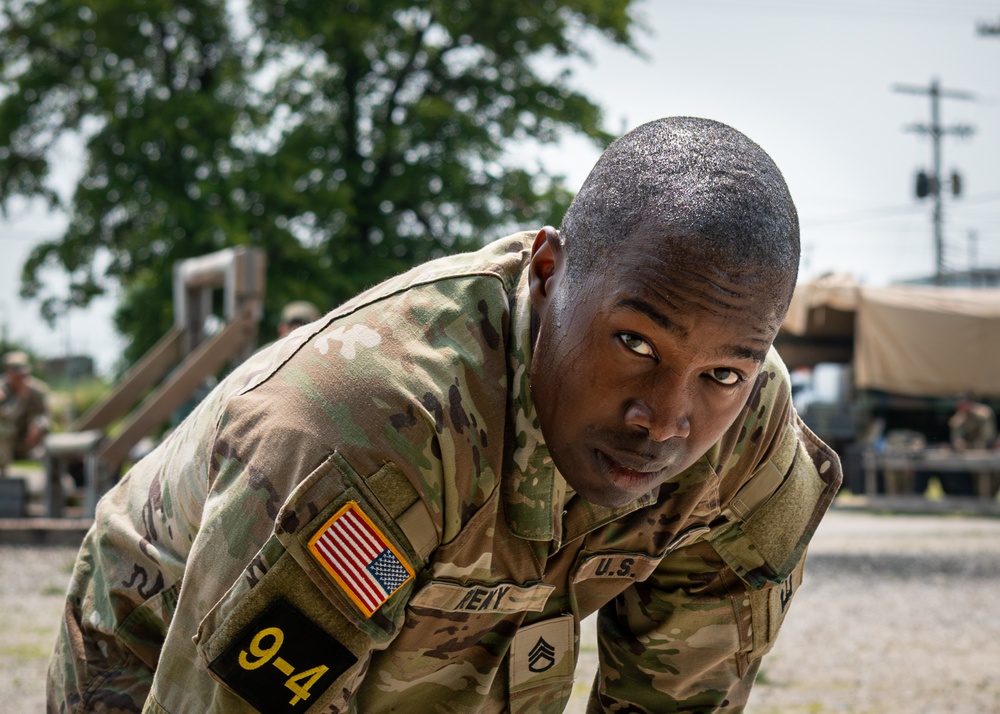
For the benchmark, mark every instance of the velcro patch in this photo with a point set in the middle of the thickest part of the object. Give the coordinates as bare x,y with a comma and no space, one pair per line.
360,558
281,662
503,598
630,566
543,652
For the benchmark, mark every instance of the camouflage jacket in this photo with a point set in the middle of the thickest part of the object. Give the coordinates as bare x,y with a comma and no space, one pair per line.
364,518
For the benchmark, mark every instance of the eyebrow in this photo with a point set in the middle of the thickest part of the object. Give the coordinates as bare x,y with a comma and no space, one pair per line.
653,314
643,307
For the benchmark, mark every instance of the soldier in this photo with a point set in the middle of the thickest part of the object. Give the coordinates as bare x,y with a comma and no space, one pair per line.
295,314
973,425
24,410
411,504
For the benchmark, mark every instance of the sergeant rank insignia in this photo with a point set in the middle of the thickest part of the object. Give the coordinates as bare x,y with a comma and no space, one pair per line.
352,549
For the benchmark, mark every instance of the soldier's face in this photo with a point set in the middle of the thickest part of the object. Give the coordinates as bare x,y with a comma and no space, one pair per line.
638,371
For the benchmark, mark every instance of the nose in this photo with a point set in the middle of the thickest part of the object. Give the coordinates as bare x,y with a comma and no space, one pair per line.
662,413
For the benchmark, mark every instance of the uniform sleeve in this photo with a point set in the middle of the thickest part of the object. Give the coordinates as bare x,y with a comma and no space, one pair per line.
690,638
125,582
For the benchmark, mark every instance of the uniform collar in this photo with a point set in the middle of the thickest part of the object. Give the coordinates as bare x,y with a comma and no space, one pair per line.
532,499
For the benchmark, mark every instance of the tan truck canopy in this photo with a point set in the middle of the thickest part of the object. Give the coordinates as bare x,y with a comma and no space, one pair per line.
903,339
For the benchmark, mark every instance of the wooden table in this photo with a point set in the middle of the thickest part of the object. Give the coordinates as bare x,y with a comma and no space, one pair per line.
984,465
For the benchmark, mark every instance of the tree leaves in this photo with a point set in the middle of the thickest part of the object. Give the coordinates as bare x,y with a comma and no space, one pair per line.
349,140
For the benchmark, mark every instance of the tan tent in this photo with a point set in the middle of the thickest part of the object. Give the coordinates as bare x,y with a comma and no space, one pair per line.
908,340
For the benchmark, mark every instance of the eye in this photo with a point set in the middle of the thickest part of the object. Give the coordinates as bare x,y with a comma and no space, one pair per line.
637,344
725,376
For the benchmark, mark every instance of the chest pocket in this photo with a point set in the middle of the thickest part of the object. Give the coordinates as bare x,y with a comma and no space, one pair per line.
775,515
470,606
600,577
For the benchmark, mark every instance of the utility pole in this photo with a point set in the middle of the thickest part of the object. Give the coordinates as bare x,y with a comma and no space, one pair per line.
936,131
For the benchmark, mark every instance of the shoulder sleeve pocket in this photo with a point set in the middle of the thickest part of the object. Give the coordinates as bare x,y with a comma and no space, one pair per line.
337,565
765,542
347,533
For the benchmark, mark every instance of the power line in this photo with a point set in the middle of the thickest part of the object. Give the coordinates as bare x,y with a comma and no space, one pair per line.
872,214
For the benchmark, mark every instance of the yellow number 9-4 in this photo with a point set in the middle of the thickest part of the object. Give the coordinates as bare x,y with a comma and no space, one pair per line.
263,654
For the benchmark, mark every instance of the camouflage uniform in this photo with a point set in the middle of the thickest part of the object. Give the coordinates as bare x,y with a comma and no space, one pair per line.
17,414
364,517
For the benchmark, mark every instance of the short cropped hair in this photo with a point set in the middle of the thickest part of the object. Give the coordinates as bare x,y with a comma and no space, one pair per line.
692,178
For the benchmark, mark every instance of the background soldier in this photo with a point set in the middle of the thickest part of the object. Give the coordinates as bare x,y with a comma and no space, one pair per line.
295,314
24,412
973,425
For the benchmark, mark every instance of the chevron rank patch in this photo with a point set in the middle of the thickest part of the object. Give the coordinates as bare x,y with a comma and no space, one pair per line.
360,558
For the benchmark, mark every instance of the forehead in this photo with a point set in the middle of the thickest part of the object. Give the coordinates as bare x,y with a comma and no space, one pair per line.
683,293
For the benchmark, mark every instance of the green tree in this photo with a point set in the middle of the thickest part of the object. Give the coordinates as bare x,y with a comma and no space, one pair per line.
349,140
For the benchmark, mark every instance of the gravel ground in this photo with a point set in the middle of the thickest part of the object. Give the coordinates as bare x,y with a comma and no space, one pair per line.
32,587
897,614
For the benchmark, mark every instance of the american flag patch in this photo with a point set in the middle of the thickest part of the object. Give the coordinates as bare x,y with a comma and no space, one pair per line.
360,558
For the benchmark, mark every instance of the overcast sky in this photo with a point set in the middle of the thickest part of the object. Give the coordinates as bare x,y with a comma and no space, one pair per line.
812,81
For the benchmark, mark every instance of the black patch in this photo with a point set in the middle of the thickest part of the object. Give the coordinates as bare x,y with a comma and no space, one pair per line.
403,421
490,333
255,571
663,525
140,581
667,490
291,521
288,524
433,405
755,395
459,419
154,503
281,661
786,593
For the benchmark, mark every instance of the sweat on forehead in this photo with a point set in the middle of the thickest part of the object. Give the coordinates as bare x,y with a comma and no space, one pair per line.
685,177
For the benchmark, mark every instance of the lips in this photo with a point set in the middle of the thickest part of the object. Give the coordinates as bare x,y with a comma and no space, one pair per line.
632,461
628,472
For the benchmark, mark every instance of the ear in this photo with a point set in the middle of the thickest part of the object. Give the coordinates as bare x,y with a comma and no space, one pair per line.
547,263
